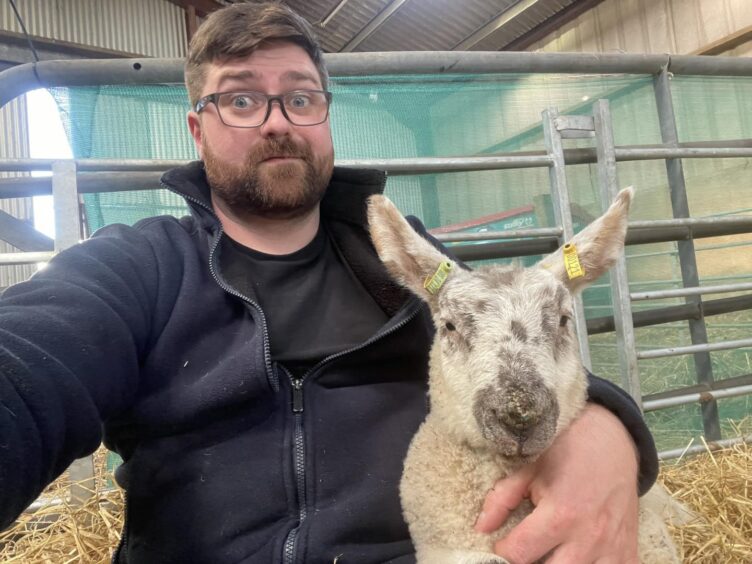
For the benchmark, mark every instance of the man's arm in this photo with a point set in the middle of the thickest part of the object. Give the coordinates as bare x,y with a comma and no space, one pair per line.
584,489
70,342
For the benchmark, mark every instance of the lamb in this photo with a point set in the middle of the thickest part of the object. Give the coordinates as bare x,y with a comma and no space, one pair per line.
505,377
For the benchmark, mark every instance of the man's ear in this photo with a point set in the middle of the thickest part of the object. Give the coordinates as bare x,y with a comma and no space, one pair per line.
593,250
194,126
411,260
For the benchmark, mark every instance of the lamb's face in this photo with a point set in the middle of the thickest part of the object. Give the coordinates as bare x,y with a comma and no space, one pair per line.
505,366
510,368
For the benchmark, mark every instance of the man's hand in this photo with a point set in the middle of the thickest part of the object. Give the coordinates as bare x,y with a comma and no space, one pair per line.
584,489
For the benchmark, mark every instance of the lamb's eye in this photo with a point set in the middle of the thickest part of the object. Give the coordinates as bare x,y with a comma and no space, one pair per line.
563,321
450,326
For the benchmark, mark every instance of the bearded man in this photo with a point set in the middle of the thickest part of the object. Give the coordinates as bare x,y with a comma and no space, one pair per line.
253,364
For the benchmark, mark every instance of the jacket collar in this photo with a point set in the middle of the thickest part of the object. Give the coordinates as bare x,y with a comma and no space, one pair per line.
345,196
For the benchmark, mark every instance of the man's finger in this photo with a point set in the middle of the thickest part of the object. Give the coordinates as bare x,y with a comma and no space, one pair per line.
505,496
534,537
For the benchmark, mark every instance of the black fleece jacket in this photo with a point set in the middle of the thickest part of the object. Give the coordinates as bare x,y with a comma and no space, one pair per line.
135,338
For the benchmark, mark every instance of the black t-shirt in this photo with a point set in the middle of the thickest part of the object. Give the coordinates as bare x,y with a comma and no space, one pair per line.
313,303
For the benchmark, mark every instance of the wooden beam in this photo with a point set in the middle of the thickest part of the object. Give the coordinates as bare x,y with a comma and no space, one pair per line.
191,22
22,235
726,43
203,7
555,22
14,49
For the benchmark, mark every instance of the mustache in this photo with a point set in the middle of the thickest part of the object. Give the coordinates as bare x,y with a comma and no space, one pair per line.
277,148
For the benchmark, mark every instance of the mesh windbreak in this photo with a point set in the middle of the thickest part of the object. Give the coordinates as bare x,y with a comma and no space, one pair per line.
403,116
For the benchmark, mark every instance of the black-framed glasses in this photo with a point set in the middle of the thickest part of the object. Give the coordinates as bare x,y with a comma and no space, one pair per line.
248,108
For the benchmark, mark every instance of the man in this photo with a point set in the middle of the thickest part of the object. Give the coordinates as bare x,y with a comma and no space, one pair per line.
253,364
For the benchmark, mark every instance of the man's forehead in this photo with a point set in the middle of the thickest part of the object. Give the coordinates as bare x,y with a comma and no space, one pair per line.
286,61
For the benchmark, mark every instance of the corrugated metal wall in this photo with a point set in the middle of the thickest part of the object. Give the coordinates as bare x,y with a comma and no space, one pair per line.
652,26
145,27
14,143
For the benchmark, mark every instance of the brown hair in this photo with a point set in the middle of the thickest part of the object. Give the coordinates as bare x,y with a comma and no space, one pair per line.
238,30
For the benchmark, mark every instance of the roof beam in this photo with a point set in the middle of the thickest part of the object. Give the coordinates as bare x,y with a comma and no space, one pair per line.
22,234
552,24
373,25
726,43
14,50
503,19
201,6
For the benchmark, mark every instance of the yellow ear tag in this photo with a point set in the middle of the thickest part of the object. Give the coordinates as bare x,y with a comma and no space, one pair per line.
572,262
433,283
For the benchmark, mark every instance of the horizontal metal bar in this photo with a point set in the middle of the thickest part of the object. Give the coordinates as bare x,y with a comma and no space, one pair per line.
652,405
656,231
22,78
430,165
691,221
506,249
25,258
682,153
496,235
439,62
699,449
677,351
92,165
88,72
522,159
680,292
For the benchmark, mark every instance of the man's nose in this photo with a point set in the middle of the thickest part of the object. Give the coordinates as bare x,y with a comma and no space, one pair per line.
276,123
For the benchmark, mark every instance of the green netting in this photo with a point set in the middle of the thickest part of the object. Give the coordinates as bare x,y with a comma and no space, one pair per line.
461,115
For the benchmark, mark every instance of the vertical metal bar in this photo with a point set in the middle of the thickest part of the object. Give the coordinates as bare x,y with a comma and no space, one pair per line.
687,258
563,215
67,234
65,202
607,180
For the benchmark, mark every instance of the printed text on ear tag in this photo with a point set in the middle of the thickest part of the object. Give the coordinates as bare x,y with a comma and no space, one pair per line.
433,283
572,262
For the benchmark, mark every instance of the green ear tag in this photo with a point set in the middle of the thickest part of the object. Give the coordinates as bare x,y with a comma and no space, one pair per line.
435,282
572,262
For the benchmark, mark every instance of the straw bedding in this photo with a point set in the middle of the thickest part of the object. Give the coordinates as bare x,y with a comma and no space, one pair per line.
715,485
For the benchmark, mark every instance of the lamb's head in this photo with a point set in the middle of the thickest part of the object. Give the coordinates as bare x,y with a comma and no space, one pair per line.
506,372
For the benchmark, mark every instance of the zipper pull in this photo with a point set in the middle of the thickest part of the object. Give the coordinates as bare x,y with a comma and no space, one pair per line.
297,395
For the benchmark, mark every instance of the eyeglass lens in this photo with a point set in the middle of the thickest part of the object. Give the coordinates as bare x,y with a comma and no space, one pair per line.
248,109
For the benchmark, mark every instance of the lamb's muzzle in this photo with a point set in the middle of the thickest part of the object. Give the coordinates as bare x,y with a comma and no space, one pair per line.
518,417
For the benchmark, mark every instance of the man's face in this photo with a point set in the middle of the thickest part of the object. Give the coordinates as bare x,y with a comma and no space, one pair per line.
277,170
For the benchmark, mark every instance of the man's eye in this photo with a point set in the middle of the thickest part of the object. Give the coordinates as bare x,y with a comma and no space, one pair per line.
300,101
241,102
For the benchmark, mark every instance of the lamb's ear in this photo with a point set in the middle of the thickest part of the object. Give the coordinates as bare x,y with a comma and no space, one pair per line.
594,249
411,260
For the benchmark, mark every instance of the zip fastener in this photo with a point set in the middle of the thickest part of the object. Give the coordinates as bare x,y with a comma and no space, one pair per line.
289,546
271,374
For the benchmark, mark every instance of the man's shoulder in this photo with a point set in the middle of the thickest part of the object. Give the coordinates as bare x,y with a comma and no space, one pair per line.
161,237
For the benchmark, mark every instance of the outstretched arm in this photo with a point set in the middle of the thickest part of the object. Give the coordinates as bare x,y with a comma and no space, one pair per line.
70,343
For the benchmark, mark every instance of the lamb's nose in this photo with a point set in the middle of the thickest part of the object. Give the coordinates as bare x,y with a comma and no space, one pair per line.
521,415
521,411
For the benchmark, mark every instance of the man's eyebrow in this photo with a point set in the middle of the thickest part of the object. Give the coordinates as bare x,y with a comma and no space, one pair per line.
229,75
300,76
247,75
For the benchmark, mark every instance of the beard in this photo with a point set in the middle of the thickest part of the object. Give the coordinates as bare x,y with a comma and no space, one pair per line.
273,190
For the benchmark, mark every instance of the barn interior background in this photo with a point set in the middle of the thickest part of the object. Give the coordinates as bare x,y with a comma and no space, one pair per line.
397,115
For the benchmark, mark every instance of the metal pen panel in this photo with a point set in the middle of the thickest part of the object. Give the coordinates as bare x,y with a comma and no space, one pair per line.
563,212
687,259
607,181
